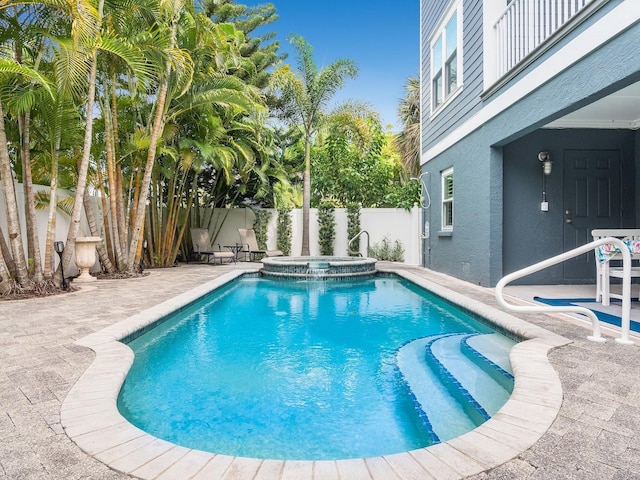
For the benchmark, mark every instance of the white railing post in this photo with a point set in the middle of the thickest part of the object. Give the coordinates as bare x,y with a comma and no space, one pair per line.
626,289
531,25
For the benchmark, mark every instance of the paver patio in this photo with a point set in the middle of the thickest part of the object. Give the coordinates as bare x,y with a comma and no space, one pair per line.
595,436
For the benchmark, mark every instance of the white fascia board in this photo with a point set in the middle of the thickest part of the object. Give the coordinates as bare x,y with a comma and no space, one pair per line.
609,26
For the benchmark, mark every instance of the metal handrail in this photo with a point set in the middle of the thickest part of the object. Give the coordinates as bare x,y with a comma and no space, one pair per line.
626,289
351,252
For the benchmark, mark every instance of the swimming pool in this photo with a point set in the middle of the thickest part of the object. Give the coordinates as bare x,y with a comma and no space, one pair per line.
316,370
90,417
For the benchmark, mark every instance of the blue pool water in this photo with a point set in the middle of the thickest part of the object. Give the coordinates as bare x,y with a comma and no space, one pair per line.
312,370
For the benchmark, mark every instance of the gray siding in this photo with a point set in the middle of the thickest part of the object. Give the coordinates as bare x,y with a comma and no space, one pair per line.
474,250
465,252
531,235
432,11
468,101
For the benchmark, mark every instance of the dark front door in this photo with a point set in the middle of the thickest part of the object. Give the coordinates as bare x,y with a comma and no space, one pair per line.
592,199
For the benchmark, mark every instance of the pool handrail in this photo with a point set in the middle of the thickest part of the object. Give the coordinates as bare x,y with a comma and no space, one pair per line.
626,289
351,252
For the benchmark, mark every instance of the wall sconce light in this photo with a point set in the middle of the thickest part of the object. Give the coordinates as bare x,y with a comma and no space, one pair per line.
59,248
545,158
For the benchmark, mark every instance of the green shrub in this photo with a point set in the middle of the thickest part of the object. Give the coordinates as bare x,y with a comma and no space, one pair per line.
327,228
284,231
260,227
384,250
353,226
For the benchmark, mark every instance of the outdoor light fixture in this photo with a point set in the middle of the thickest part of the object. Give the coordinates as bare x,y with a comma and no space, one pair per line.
59,248
545,158
144,251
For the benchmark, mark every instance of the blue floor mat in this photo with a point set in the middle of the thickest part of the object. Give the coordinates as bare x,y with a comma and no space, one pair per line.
602,316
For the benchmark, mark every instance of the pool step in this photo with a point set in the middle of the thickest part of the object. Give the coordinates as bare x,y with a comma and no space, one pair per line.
429,394
444,374
491,353
470,376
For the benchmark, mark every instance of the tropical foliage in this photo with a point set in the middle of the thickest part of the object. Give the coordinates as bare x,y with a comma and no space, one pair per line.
260,226
326,227
156,106
386,250
160,110
367,172
408,140
353,226
303,98
284,231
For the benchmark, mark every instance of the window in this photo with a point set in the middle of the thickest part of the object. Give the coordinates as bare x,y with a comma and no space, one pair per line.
446,57
447,199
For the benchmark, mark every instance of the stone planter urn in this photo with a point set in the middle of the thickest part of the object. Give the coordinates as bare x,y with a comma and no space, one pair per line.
86,257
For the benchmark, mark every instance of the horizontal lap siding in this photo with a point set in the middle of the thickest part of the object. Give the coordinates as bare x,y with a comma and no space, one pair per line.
432,11
468,101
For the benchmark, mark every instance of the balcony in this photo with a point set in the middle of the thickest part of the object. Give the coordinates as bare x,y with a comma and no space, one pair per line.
528,27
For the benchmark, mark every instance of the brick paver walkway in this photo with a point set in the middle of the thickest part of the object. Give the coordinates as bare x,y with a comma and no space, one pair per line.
596,435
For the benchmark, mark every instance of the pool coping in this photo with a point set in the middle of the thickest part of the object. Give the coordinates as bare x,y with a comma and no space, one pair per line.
91,419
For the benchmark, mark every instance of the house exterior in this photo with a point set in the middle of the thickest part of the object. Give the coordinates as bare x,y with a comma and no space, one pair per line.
530,117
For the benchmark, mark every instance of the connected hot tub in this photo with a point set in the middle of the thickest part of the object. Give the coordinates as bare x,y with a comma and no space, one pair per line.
318,267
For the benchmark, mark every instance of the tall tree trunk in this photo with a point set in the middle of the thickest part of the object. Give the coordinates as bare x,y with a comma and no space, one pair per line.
6,282
6,254
158,125
74,226
24,126
33,243
13,221
114,193
105,215
306,195
49,258
121,216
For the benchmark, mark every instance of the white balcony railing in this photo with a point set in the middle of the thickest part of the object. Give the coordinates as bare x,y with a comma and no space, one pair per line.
527,24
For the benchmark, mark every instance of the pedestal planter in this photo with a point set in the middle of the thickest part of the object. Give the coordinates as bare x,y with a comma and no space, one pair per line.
86,257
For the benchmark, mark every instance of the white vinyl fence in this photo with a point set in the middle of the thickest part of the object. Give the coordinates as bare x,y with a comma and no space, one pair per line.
394,224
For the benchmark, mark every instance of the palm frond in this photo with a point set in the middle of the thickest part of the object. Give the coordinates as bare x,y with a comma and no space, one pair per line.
11,67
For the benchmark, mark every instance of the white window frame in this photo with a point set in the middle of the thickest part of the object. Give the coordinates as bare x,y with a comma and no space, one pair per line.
440,70
447,200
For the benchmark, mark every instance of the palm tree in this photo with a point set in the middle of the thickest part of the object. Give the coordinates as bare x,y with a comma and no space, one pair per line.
25,42
187,67
10,66
303,97
175,77
408,140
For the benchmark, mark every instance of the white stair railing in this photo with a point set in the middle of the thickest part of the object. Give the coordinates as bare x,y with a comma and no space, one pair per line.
626,289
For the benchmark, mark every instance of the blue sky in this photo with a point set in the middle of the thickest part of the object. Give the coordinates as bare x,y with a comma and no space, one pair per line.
382,37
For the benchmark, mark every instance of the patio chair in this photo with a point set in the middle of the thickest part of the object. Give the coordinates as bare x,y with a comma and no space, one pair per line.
605,270
202,246
250,245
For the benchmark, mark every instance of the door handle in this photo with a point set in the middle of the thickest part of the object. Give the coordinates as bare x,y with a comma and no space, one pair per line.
567,220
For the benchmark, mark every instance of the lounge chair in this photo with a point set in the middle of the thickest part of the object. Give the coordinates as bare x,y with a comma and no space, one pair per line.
250,245
604,270
202,246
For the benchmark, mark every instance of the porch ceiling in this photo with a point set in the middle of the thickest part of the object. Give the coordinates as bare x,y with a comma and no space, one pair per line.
618,110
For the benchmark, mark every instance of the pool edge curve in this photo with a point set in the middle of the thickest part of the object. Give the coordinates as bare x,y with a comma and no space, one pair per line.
91,419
